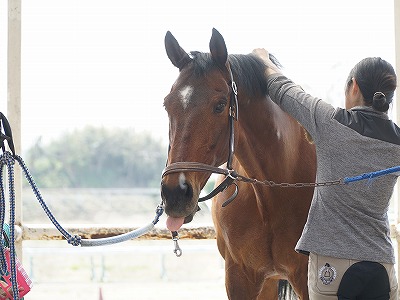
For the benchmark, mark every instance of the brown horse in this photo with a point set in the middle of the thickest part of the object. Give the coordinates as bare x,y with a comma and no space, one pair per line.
257,232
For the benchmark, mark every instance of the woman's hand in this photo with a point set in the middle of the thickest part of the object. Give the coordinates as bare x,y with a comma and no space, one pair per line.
264,56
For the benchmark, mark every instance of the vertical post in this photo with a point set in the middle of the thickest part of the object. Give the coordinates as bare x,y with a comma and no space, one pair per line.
14,99
397,49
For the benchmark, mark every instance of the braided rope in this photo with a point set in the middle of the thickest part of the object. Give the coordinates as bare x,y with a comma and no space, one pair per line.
3,265
76,240
39,197
8,160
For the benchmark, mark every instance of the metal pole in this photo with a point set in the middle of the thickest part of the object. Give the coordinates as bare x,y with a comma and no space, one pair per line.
14,99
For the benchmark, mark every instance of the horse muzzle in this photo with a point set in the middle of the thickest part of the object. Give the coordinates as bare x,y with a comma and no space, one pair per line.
180,200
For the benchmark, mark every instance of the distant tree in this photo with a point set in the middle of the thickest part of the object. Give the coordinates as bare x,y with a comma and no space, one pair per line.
98,157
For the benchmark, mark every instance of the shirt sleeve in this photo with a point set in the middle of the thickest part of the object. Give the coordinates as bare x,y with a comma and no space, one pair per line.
309,111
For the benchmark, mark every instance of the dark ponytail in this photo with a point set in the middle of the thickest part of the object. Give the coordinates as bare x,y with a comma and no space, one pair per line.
377,81
379,102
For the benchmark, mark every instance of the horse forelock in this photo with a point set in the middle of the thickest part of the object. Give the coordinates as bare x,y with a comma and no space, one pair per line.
248,71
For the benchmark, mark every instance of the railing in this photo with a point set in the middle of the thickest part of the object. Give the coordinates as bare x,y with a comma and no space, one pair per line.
49,232
98,268
142,269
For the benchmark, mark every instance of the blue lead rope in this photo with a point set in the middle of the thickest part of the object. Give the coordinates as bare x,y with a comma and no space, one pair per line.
8,160
75,240
371,175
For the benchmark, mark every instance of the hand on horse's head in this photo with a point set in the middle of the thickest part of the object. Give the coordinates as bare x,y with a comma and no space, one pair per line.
263,54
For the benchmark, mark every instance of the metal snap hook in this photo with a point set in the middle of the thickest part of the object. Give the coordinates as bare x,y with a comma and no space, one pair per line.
175,238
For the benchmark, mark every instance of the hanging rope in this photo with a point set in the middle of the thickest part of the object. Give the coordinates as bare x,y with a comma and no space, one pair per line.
76,240
7,160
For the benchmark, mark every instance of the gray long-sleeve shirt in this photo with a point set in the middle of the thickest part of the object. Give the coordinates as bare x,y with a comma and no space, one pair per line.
345,221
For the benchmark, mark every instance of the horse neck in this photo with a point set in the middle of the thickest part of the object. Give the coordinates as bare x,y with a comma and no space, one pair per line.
265,137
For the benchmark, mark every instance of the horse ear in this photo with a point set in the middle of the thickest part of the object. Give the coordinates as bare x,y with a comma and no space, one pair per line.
218,48
176,54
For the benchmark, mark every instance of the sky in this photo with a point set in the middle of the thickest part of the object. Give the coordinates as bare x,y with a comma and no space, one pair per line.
103,63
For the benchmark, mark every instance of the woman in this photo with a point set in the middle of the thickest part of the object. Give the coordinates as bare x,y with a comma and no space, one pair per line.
347,224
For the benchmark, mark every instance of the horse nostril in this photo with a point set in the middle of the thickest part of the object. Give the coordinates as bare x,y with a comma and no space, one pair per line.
185,186
187,190
182,192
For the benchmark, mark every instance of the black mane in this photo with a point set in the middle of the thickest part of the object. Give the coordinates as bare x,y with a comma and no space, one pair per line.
248,71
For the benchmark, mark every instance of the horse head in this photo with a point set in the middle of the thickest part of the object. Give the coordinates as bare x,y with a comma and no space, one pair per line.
198,111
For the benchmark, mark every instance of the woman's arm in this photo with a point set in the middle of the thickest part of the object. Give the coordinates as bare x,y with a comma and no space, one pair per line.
306,109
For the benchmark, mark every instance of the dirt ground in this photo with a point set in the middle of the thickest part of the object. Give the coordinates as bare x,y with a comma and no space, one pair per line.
143,291
143,270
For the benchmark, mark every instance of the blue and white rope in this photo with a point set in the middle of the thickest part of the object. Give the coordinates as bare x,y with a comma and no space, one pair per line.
7,160
76,240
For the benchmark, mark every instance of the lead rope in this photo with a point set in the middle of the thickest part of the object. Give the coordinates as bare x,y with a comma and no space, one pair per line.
8,160
75,240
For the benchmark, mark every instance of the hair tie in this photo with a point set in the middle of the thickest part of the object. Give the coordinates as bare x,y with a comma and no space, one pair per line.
379,102
379,95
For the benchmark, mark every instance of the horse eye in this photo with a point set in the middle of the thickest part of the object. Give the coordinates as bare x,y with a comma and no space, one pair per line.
219,108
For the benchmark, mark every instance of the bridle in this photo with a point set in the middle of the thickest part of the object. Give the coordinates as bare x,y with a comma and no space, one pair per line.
230,174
